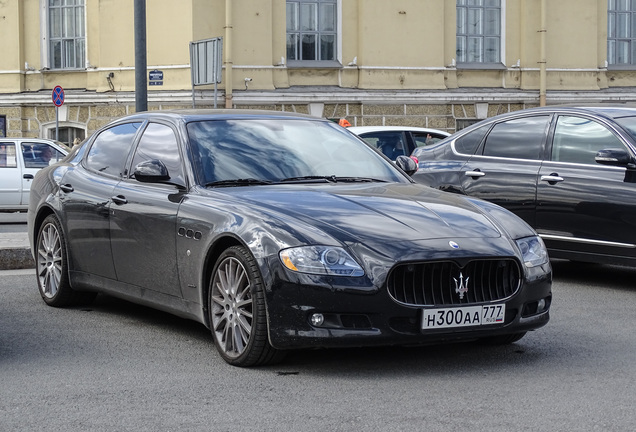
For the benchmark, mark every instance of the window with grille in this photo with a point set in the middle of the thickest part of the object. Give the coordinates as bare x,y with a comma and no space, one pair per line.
621,32
67,34
312,30
478,31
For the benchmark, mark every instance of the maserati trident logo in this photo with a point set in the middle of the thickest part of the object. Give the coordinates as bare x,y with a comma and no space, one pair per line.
461,285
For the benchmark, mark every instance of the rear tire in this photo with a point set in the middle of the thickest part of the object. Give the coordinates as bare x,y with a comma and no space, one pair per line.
236,305
52,267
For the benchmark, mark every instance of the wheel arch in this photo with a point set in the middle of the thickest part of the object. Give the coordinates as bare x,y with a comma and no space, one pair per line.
44,212
214,252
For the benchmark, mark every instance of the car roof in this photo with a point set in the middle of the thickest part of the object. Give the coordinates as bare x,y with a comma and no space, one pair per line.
612,111
189,115
364,129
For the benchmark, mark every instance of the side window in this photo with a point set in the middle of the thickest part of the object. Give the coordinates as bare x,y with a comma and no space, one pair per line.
518,138
160,142
7,155
577,139
467,144
392,144
423,139
109,151
38,155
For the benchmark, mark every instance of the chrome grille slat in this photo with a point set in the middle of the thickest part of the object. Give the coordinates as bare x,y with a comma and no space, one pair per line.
432,283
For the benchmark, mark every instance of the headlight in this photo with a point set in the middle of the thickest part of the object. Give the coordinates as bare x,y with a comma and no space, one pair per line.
327,260
533,251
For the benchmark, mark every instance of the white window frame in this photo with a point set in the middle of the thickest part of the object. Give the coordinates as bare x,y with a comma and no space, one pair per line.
337,61
628,39
45,47
500,62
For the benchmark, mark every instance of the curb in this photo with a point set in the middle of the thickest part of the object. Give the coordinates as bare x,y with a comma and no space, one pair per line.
16,258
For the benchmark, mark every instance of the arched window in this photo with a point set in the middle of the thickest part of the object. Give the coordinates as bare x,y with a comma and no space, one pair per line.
66,133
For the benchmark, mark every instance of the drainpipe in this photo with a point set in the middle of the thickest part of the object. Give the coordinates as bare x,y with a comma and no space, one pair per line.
227,53
542,63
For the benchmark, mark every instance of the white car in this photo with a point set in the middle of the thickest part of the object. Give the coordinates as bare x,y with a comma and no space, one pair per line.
395,141
20,159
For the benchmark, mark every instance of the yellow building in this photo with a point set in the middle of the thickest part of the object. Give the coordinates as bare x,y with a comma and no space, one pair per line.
434,63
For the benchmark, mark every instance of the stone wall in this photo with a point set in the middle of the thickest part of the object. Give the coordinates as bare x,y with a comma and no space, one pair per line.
31,121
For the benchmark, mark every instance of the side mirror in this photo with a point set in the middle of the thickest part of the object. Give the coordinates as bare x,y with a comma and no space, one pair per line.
152,171
613,157
406,164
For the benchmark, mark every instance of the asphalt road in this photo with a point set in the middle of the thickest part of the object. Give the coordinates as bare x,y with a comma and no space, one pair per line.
115,366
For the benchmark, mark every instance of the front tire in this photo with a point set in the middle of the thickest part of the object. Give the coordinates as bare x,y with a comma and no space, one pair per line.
52,267
236,306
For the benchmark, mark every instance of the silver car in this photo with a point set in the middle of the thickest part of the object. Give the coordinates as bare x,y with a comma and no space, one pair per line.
20,159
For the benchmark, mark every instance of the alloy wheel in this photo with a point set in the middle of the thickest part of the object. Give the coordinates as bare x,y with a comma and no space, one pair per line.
232,307
49,260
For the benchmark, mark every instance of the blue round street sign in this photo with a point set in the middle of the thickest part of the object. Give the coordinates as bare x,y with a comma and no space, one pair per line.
58,96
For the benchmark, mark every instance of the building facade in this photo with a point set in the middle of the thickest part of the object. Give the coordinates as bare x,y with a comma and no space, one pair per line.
432,63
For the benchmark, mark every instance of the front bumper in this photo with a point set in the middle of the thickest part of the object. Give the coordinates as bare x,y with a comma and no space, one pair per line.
358,313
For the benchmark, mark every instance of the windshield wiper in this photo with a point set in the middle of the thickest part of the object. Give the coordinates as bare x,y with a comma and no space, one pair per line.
238,182
330,179
311,179
357,179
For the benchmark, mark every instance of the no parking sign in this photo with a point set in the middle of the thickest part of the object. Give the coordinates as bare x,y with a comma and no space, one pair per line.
58,96
58,100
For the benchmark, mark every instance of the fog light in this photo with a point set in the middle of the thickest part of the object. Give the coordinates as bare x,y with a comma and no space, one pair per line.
540,305
317,319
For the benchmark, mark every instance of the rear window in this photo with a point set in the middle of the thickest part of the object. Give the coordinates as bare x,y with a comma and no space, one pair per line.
467,144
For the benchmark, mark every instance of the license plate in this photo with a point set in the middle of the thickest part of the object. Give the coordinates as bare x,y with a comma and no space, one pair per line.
463,316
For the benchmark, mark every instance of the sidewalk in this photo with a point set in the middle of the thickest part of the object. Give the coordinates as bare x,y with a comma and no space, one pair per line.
15,252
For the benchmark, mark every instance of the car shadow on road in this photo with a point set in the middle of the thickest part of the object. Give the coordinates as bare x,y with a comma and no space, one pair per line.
445,358
618,277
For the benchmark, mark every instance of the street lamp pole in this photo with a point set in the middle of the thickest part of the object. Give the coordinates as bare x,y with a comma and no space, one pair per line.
141,83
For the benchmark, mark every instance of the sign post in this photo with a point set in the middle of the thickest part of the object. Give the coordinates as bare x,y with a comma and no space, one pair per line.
206,61
58,100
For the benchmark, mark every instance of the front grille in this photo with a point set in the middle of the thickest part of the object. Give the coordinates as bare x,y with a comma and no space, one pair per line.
437,283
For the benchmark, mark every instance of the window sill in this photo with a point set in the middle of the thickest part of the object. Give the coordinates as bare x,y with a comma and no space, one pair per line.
481,66
313,64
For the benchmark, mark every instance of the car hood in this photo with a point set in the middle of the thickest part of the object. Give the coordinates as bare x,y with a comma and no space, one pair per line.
369,212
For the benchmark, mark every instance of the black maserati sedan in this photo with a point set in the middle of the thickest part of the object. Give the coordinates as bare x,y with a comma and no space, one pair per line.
569,172
280,231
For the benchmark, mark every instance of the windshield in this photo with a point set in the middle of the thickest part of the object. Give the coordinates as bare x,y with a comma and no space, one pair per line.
275,150
629,124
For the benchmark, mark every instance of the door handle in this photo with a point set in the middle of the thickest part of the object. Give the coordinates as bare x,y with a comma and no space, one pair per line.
553,178
67,188
119,199
475,173
28,176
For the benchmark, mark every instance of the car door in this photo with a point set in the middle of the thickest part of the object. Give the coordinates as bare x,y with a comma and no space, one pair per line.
584,206
10,176
86,192
143,216
506,169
